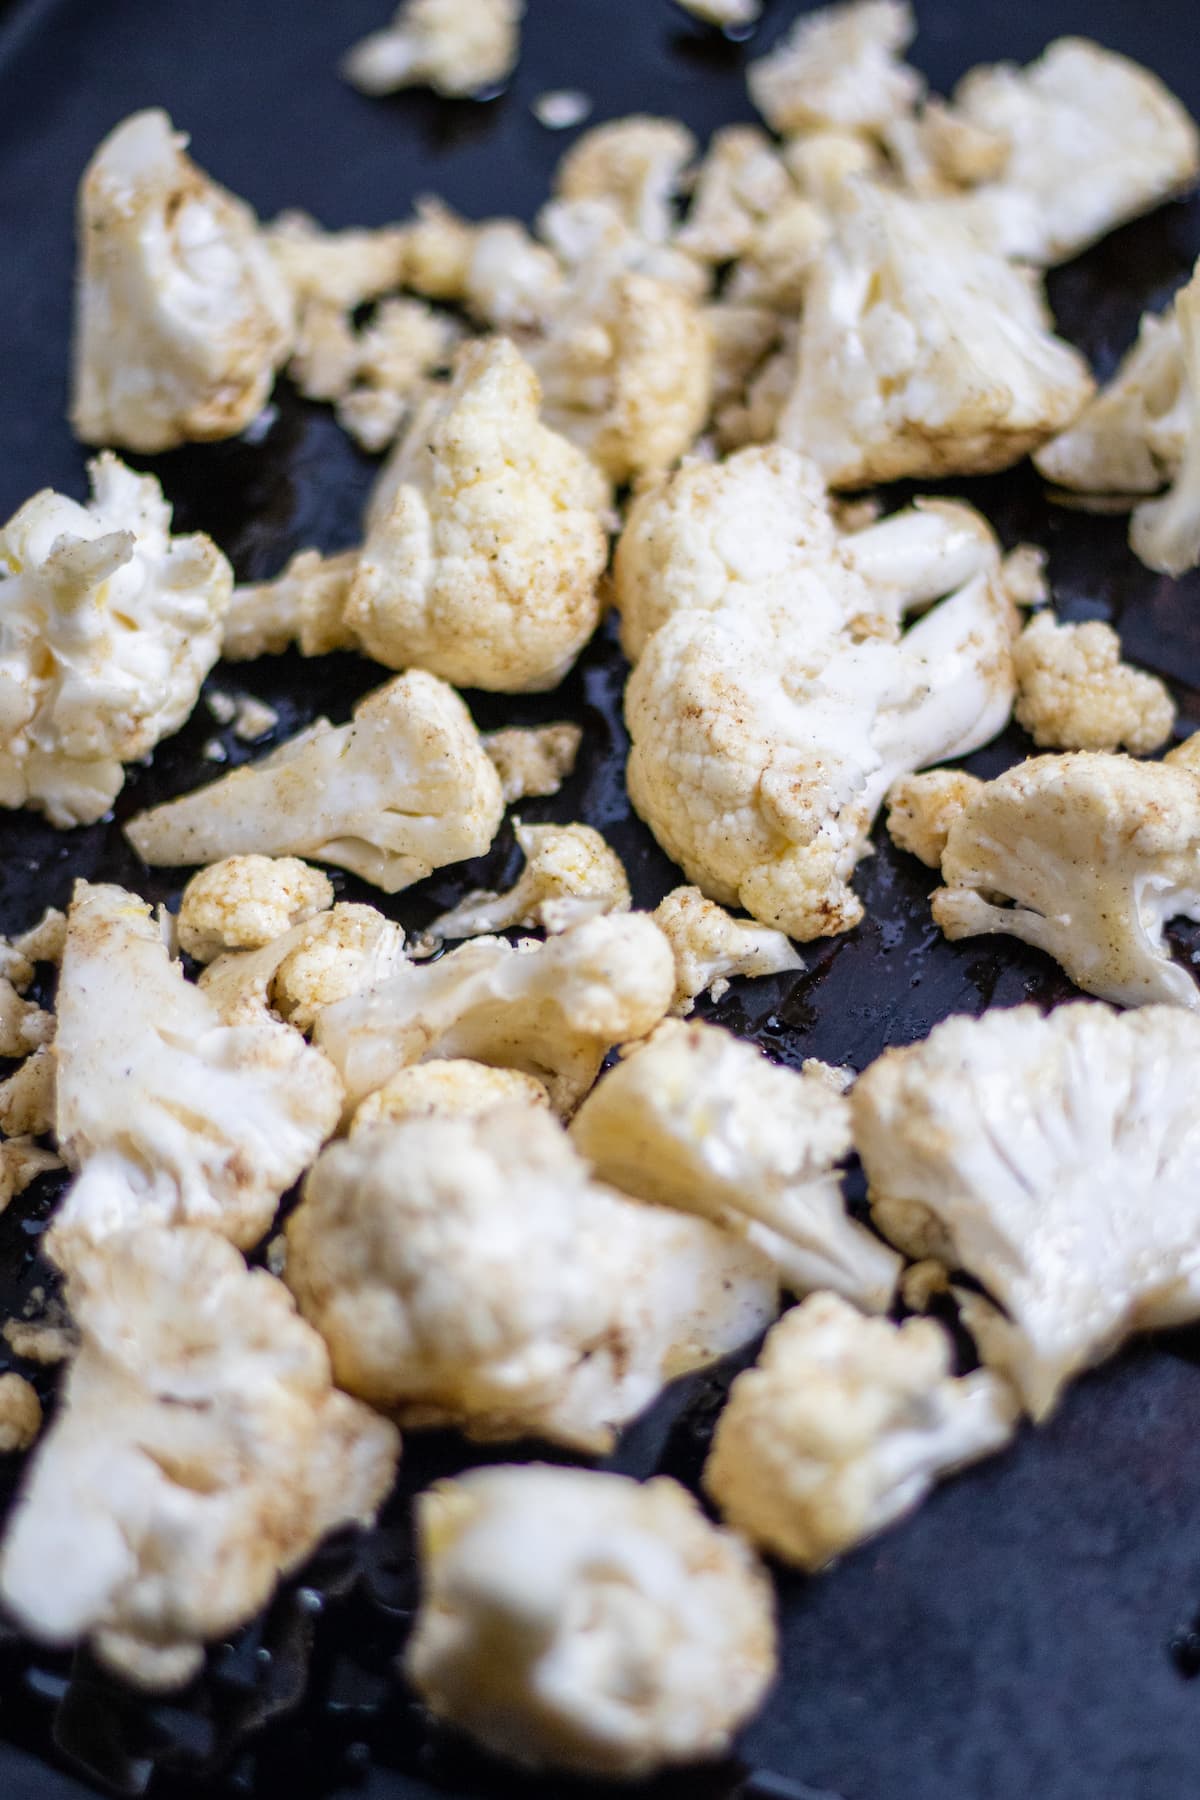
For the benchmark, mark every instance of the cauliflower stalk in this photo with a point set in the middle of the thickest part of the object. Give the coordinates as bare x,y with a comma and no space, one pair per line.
458,48
570,874
710,946
1075,693
1165,533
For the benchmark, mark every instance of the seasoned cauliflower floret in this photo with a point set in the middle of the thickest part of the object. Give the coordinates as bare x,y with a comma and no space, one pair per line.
1075,693
1165,533
512,283
305,605
455,1088
839,67
24,1025
467,1270
533,761
922,808
740,183
1130,438
570,874
637,165
108,626
403,789
1057,1160
20,1414
248,901
337,270
580,1621
455,47
317,962
27,1097
709,946
181,315
21,1162
698,1119
843,1426
200,1453
376,372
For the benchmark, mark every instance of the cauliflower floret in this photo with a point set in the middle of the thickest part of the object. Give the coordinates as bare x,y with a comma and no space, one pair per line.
455,1088
21,1162
551,1009
533,761
337,270
775,267
743,337
840,67
637,165
317,962
168,1114
729,14
581,1621
27,1097
709,946
699,1120
939,152
403,789
843,1426
181,315
108,626
1086,856
1130,438
248,901
456,47
304,605
1075,693
512,283
570,874
200,1453
922,808
24,1025
1056,1160
20,1414
738,186
1165,533
376,374
42,943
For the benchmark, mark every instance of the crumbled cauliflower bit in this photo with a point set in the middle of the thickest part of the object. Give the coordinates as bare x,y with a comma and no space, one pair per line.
730,15
1023,572
570,874
325,358
200,1453
697,1119
455,1089
738,186
316,962
24,1026
843,1426
939,152
253,720
27,1097
822,162
560,109
838,1077
922,808
709,946
167,1114
752,416
181,315
1130,438
20,1414
742,338
533,761
305,605
512,282
42,943
840,67
551,1009
221,705
402,790
637,164
775,267
245,902
1075,693
1165,533
459,48
214,751
21,1162
337,270
438,250
580,1621
108,626
560,1317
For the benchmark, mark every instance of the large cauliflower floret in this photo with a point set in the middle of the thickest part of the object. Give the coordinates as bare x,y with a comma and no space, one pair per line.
248,901
169,1115
570,874
839,68
552,1010
1075,693
108,626
182,317
1056,1160
468,1270
1088,857
199,1454
581,1621
1165,533
922,808
710,946
455,47
403,789
316,963
1130,438
455,1089
698,1119
843,1426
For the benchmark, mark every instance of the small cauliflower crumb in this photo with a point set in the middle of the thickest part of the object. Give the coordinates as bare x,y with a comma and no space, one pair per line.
254,719
24,1025
27,1097
455,1088
21,1162
533,761
922,808
709,946
245,902
315,963
20,1414
1075,693
839,67
458,48
1165,533
570,874
337,270
37,1342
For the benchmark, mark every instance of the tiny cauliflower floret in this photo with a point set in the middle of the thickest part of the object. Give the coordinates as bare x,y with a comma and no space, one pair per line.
403,789
1075,693
1165,533
922,808
533,761
698,1119
570,874
739,185
108,626
468,1270
1130,438
316,963
455,1088
843,1426
456,47
580,1621
709,946
248,901
839,68
637,165
168,1114
1057,1160
199,1454
339,270
182,316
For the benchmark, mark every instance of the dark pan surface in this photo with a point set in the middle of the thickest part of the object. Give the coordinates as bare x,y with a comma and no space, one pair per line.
1028,1631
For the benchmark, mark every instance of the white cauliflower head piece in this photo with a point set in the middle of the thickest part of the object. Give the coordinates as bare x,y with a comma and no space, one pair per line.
710,946
843,1426
314,964
1165,533
454,1088
245,902
456,47
922,808
533,761
636,165
839,68
570,874
1075,693
1131,436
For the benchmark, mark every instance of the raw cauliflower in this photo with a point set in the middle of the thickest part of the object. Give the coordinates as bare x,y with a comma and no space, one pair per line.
108,626
468,1271
456,47
27,1097
1054,1159
181,315
400,791
843,1426
305,605
637,165
839,68
922,808
1075,693
739,185
581,1621
533,761
200,1453
245,902
337,270
1130,438
312,965
455,1088
697,1119
709,946
570,874
1165,533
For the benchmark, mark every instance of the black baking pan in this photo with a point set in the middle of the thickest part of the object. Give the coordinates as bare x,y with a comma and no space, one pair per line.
1033,1630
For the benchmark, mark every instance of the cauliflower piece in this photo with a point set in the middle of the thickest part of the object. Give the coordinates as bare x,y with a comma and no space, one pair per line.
922,808
181,315
248,901
938,152
456,1089
42,943
743,337
775,267
27,1097
20,1414
317,962
843,1426
337,271
199,1454
637,165
459,48
402,790
438,250
752,416
304,605
512,283
1054,1159
730,15
21,1162
839,67
582,1621
108,626
468,1271
738,186
570,874
1130,438
1165,533
709,946
169,1115
551,1009
533,761
393,356
698,1119
922,352
1075,693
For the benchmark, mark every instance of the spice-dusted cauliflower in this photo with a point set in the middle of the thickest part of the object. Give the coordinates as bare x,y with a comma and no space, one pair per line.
570,874
182,317
199,1454
108,626
1055,1159
709,946
376,372
21,1162
1075,693
635,164
305,605
698,1119
843,1426
551,1009
168,1114
27,1097
1130,438
340,270
533,761
839,68
20,1414
1165,533
403,789
455,1088
24,1025
739,185
582,1621
922,808
245,902
455,47
468,1270
312,965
